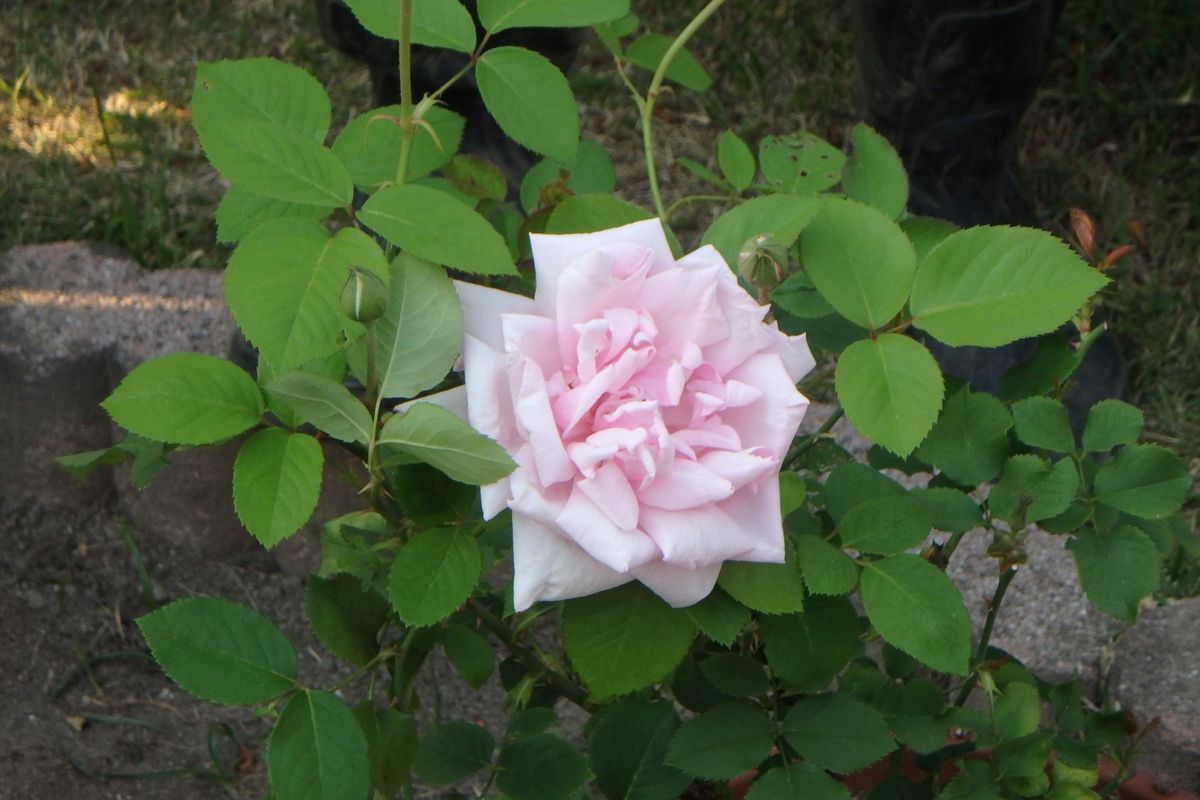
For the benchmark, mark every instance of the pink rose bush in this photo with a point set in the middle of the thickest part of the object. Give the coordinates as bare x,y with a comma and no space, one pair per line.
647,406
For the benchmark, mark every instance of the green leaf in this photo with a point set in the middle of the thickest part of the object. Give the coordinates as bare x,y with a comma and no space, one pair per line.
540,767
874,174
220,651
276,483
916,609
432,225
345,616
450,752
277,163
950,509
324,403
258,90
585,213
433,574
859,260
147,455
435,23
837,732
782,216
347,546
592,173
1111,423
500,15
1047,371
369,145
440,439
530,722
702,172
419,336
792,781
769,588
735,674
391,745
826,569
798,296
647,52
476,177
800,163
1043,422
317,751
241,211
851,485
1117,568
469,653
926,233
969,443
186,398
1029,483
809,649
1017,711
284,283
1144,480
611,33
719,617
530,100
736,160
626,748
722,743
624,639
987,286
887,525
891,388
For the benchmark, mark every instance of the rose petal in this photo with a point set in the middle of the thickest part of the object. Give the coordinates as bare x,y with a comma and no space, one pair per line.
494,497
797,358
531,336
695,537
592,529
552,254
482,307
546,566
610,491
758,516
489,399
684,484
740,467
536,417
773,419
680,587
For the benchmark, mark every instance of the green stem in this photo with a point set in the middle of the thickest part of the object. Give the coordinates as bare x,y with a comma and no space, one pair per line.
693,198
986,635
407,129
813,438
660,75
559,682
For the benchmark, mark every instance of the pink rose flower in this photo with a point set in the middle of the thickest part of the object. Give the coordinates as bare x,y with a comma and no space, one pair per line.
647,406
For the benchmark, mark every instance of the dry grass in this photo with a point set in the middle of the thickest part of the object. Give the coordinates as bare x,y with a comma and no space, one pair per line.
1115,131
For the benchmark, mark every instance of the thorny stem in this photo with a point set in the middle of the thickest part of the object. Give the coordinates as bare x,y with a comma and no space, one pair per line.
647,107
407,129
813,438
559,682
986,635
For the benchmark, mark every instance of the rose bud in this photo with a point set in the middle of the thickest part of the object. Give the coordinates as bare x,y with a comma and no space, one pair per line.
763,262
1085,231
364,296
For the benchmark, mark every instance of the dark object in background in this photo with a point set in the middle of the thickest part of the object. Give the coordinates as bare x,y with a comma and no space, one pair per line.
432,67
947,82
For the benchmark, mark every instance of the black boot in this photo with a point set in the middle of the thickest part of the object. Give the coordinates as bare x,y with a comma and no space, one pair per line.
947,82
